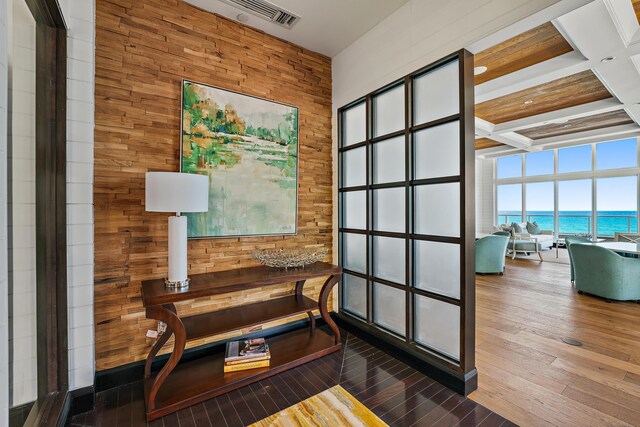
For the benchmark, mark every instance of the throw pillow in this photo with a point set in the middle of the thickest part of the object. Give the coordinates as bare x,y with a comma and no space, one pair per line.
516,227
533,228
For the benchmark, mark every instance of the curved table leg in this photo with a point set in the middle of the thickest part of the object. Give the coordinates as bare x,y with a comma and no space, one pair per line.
322,302
312,318
168,315
160,342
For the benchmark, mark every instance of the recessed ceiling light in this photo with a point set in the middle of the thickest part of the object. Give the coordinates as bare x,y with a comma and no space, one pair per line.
608,59
566,126
479,70
242,17
560,121
528,102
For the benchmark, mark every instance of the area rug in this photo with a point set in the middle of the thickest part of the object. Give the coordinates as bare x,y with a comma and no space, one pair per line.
332,407
547,256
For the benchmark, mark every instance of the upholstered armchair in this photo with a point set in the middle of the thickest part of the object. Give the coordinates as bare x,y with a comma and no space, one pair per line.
490,251
602,272
569,240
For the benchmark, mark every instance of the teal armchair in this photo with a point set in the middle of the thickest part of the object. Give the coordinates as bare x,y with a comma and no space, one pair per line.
569,240
602,272
490,253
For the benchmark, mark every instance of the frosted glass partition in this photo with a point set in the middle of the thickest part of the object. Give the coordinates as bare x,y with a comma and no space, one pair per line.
388,209
388,111
437,267
354,209
355,294
388,160
389,259
437,151
354,167
415,215
437,326
436,94
389,308
437,209
354,125
355,252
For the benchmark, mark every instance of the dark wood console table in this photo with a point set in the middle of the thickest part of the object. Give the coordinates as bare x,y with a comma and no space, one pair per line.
176,387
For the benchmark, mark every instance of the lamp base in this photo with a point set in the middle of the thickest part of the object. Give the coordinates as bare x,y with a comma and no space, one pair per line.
181,284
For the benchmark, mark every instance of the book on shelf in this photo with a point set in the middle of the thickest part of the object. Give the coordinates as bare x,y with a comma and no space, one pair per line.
246,365
249,360
246,351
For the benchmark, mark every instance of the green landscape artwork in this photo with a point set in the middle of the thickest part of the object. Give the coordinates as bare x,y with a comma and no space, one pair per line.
248,147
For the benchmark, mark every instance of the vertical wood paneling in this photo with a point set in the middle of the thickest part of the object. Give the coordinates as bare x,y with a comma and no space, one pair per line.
144,48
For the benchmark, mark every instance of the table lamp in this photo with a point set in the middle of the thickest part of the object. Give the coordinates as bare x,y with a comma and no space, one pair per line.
176,192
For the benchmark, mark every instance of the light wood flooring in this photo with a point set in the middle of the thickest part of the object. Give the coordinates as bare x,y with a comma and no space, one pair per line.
528,375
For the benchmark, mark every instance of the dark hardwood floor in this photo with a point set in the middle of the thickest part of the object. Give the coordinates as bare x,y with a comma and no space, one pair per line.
397,393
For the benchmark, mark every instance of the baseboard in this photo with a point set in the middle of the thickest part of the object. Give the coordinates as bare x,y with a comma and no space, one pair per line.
453,380
125,374
82,400
18,414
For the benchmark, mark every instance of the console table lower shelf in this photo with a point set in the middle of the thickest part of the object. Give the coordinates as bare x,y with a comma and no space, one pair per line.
180,385
201,379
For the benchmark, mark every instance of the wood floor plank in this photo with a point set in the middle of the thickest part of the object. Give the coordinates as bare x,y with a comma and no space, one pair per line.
185,418
200,416
526,372
214,412
264,399
475,417
243,410
274,393
229,412
611,408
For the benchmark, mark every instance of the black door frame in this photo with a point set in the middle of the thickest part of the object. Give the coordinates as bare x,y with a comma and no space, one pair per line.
52,405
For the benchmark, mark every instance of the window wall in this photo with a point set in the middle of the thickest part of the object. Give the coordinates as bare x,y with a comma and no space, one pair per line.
589,189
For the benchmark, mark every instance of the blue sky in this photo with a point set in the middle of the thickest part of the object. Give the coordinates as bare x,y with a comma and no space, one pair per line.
614,194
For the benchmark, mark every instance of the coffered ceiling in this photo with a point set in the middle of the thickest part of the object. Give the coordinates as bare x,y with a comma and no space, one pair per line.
566,92
582,124
529,48
572,80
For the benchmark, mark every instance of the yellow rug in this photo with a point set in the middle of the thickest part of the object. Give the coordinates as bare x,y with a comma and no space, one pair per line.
333,407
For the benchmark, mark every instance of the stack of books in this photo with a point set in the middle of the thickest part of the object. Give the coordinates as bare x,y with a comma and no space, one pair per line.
246,354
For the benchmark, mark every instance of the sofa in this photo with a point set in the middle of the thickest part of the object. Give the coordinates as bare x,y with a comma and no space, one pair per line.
525,242
602,272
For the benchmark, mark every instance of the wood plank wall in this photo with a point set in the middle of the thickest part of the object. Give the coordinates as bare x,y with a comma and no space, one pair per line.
144,48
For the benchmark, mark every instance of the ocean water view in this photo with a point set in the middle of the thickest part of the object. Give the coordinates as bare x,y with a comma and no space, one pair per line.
578,222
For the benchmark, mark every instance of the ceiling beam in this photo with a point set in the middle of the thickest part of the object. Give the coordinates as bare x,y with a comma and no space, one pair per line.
624,18
485,129
543,72
559,116
547,14
492,152
588,136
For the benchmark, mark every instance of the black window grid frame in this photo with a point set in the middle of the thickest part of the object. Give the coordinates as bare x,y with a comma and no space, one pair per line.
466,302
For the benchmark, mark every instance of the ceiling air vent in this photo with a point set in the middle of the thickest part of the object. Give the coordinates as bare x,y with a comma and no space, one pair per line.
266,10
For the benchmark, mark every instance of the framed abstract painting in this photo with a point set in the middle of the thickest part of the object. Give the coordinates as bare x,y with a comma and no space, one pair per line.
248,147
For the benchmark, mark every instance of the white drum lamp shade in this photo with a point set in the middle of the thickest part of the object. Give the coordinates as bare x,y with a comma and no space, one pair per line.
176,192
